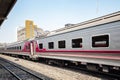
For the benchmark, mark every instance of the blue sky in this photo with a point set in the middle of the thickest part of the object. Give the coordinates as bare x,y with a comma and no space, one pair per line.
53,14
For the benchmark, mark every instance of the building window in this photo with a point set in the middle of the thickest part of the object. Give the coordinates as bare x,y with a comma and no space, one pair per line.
41,46
51,45
61,44
100,41
77,43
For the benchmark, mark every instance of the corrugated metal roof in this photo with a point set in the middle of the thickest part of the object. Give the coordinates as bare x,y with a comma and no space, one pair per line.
5,8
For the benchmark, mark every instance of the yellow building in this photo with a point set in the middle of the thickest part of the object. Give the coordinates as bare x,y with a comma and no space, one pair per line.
29,31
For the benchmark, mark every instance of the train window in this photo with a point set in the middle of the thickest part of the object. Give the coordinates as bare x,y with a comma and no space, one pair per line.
100,41
41,46
61,44
51,45
20,47
77,43
17,48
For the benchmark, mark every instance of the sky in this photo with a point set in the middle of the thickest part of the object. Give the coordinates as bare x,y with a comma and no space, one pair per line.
53,14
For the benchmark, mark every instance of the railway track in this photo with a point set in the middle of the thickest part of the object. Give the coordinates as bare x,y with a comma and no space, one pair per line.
84,70
6,75
11,71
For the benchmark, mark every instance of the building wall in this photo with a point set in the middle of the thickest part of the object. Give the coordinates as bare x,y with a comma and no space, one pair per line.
38,31
21,34
29,31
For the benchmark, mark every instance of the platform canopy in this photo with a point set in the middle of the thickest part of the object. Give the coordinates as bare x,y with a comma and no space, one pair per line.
5,8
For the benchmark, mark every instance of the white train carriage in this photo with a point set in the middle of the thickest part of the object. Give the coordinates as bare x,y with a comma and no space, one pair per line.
95,41
16,48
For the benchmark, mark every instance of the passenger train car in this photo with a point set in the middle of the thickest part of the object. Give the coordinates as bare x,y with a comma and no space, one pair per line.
94,43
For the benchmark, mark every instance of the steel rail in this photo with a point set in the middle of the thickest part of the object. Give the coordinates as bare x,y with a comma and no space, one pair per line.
26,71
17,76
11,72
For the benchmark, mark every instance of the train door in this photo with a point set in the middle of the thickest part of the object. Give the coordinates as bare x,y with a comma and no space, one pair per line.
32,47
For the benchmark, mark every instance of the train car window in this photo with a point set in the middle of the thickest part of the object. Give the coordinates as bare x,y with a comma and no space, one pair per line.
77,43
100,41
20,47
41,46
61,44
17,48
51,45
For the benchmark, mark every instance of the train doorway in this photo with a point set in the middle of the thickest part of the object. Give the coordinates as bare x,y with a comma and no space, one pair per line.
32,48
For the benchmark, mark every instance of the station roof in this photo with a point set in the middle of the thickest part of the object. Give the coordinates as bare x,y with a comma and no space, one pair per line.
5,8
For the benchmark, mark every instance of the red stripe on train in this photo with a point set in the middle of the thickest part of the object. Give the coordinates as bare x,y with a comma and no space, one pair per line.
84,51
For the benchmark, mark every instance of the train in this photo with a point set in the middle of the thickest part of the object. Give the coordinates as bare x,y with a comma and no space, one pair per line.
94,44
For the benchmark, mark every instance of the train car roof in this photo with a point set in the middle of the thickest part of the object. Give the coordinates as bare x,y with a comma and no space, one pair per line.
93,22
5,8
15,43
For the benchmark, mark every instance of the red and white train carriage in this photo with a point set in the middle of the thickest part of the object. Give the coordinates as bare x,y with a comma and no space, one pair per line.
96,43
